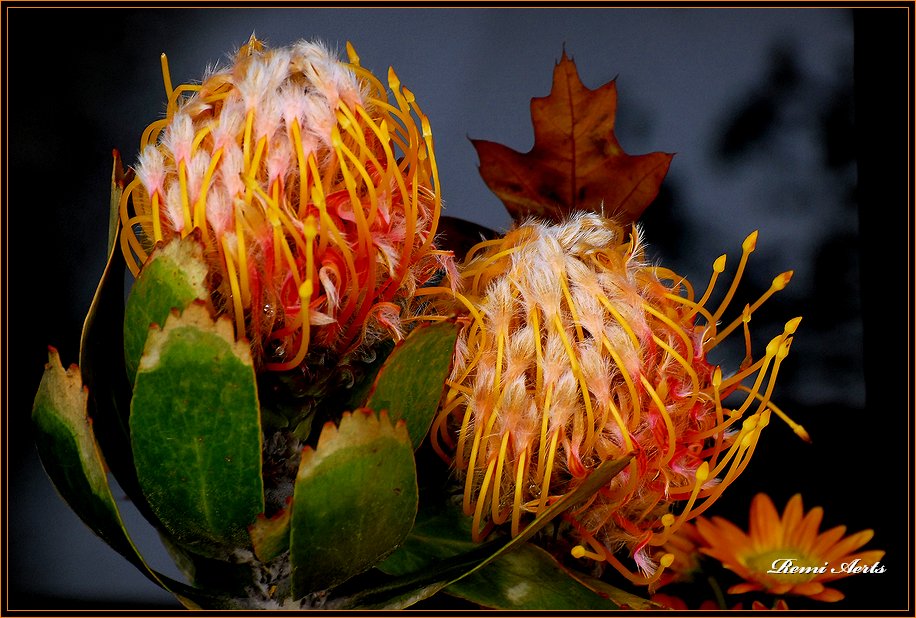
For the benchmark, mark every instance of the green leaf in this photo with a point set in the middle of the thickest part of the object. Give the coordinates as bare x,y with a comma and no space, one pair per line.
354,501
270,536
71,457
196,433
172,278
527,578
410,383
423,583
626,600
102,365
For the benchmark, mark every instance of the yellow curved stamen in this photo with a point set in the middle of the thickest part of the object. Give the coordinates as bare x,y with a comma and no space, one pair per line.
677,328
747,247
635,578
688,368
635,411
234,288
497,516
545,425
583,385
185,201
481,501
666,274
255,166
548,471
296,133
462,442
693,307
619,318
243,257
361,170
779,283
305,298
173,99
538,352
665,416
200,205
128,256
132,239
439,429
167,81
148,136
157,223
702,474
572,307
520,467
199,137
327,223
472,468
246,141
434,171
124,200
360,71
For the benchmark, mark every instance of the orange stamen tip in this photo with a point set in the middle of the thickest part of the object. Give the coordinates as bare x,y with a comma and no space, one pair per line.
719,265
792,325
351,54
750,243
802,433
717,378
666,561
393,81
578,551
668,520
782,280
773,346
311,230
703,472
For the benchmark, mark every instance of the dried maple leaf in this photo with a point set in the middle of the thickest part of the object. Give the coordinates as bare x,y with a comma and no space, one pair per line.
576,162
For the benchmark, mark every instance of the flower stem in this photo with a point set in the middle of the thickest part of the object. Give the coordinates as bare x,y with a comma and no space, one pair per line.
717,591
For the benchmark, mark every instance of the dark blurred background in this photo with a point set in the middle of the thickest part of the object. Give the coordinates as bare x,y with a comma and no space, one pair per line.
790,121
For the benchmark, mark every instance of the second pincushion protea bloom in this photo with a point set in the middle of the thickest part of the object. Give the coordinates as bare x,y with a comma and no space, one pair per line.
317,199
577,352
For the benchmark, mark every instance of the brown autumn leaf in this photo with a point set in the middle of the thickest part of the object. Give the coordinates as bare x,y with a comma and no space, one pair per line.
576,162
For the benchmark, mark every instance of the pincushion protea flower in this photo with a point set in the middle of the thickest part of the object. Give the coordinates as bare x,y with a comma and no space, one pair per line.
317,198
577,351
772,540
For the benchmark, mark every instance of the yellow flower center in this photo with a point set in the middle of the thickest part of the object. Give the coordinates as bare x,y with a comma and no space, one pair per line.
785,565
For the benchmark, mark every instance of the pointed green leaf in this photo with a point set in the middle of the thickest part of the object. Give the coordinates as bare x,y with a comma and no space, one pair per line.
102,366
527,578
410,383
442,572
71,457
172,278
354,502
195,432
624,599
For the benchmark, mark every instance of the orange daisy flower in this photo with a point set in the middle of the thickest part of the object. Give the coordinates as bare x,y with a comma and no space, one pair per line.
787,555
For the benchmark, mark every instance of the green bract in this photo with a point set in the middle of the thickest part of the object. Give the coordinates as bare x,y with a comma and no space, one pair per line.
260,506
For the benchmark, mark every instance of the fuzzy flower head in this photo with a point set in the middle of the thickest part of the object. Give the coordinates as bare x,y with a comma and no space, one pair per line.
316,197
788,554
577,352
